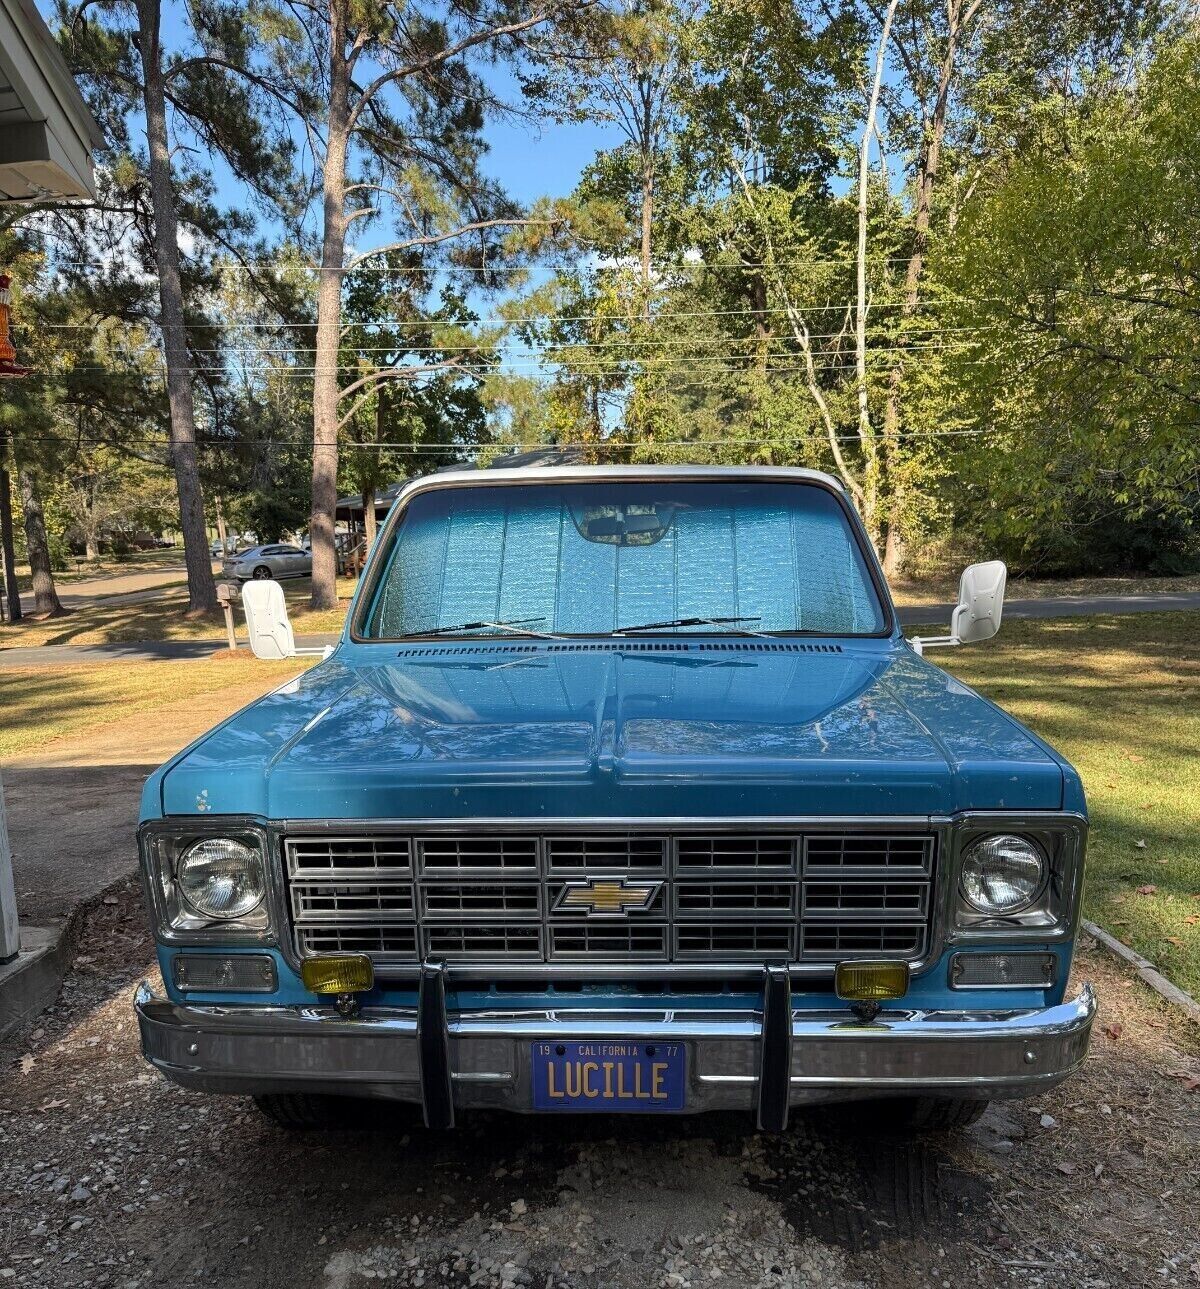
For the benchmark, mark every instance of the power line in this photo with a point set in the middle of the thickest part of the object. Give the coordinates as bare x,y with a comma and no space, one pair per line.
674,266
752,342
817,437
678,367
502,321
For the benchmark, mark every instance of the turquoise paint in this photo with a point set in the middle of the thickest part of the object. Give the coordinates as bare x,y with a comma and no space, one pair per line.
930,991
693,725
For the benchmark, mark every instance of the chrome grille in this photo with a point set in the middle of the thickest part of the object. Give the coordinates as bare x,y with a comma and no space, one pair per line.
802,896
756,853
619,941
474,854
317,857
606,854
514,942
737,940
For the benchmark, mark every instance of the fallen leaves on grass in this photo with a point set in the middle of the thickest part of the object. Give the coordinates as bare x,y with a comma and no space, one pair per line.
26,1064
1140,843
1115,1030
1191,1082
1148,889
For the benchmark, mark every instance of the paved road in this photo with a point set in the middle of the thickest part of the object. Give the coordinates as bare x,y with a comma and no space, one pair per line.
1065,606
1062,606
120,587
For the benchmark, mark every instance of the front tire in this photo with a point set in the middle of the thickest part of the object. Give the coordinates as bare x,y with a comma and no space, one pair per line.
261,574
928,1114
303,1111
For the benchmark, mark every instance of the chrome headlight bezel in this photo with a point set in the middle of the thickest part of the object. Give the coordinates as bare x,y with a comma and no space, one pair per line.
1052,914
177,920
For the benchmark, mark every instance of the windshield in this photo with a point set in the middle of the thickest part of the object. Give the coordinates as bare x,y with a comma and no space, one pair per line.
597,558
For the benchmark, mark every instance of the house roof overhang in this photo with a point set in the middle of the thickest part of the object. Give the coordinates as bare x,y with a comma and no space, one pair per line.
47,133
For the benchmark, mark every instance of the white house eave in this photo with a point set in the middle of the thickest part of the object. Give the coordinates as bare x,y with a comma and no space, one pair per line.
47,134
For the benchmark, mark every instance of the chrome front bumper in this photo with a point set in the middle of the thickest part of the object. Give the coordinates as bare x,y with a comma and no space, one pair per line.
735,1059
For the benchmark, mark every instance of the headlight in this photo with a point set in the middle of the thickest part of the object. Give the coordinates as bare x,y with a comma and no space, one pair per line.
1003,873
221,878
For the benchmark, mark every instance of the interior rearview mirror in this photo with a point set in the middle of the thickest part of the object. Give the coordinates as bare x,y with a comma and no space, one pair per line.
267,622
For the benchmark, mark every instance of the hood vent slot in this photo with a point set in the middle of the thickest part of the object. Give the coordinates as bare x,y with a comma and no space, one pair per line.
618,646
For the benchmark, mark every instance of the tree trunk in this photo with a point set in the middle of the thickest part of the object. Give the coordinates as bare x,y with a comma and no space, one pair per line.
369,515
222,531
928,164
762,324
8,554
329,321
868,442
202,591
45,595
647,228
91,548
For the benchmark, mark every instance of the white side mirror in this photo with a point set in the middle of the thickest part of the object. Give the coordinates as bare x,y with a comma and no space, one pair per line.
980,602
978,611
267,622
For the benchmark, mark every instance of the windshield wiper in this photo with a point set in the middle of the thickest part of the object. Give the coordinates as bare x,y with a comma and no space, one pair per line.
723,623
503,625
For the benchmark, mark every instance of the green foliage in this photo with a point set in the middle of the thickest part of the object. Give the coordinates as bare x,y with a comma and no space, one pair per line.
1083,299
1031,270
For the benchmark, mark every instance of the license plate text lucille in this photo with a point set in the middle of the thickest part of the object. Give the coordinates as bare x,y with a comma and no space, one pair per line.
609,1074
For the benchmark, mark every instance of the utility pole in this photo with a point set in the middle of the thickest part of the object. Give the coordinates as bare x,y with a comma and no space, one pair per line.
10,936
12,597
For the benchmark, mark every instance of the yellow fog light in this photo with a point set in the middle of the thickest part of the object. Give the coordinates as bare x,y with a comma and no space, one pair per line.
337,973
871,982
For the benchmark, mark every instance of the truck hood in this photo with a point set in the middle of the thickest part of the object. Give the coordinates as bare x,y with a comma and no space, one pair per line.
602,730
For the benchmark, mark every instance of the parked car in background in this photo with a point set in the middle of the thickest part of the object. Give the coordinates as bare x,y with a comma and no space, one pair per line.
261,562
623,792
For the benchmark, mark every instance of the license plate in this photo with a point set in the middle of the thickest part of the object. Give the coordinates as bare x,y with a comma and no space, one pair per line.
608,1075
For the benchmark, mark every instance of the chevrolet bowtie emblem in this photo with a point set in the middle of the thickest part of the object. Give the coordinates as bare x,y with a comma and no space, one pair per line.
607,896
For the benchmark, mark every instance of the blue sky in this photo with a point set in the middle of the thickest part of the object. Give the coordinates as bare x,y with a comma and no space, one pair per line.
533,162
529,161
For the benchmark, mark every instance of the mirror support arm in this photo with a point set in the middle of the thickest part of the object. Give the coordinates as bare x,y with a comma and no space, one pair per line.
921,643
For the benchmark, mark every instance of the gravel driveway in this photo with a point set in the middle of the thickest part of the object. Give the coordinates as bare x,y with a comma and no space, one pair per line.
108,1176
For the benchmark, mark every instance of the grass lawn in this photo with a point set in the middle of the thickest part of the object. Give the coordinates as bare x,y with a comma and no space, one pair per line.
1120,698
945,590
107,566
162,618
42,705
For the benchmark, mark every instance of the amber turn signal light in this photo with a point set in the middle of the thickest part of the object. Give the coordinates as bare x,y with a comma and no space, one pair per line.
871,982
338,973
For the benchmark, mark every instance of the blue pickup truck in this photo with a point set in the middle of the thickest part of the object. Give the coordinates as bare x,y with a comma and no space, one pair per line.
622,792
